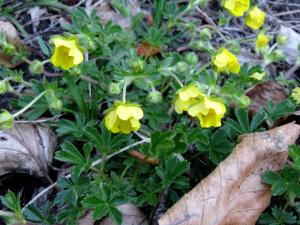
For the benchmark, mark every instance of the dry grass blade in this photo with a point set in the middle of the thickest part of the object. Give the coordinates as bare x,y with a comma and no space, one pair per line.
234,194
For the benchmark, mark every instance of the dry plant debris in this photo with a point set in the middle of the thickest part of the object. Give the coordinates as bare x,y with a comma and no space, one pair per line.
27,148
234,194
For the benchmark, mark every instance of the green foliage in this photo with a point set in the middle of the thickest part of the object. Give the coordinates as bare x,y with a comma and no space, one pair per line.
119,66
12,202
278,217
243,125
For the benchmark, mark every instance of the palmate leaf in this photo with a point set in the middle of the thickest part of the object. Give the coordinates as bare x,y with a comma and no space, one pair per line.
242,125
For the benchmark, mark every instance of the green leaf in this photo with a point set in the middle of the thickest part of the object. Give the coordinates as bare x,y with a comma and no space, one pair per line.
43,46
278,184
294,153
100,211
242,116
69,153
161,145
172,169
116,215
274,112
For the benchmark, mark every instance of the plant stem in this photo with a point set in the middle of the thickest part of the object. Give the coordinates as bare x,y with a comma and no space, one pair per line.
177,79
124,91
88,79
30,104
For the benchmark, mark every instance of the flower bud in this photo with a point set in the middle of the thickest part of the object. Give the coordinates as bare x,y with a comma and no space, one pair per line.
155,97
3,87
6,120
138,66
36,67
281,39
55,105
278,55
244,101
191,58
9,49
205,34
114,88
181,67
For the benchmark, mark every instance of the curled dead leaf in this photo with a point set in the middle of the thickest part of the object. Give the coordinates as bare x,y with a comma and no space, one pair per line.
145,49
26,148
234,194
13,38
263,92
131,216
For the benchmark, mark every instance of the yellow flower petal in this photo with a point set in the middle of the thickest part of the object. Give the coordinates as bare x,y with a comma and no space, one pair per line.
135,124
296,94
226,62
258,76
125,126
255,18
190,91
198,108
237,7
262,40
111,121
66,53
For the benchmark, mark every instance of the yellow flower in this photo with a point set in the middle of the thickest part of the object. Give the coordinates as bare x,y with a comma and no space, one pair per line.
262,40
258,76
226,62
67,53
296,94
237,7
123,117
255,18
209,111
185,97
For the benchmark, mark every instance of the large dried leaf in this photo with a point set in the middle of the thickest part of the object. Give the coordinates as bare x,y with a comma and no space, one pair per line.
234,194
290,49
263,92
106,13
13,38
26,148
131,216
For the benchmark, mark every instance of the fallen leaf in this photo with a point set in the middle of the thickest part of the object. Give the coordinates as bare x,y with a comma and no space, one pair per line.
26,148
145,49
12,37
234,193
131,216
290,49
263,92
106,13
36,13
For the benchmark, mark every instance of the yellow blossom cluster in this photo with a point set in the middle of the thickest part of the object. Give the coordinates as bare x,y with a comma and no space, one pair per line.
207,109
255,17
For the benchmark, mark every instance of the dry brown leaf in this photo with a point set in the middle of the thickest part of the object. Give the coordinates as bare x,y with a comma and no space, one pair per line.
262,92
145,49
107,13
234,194
12,37
131,216
26,148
